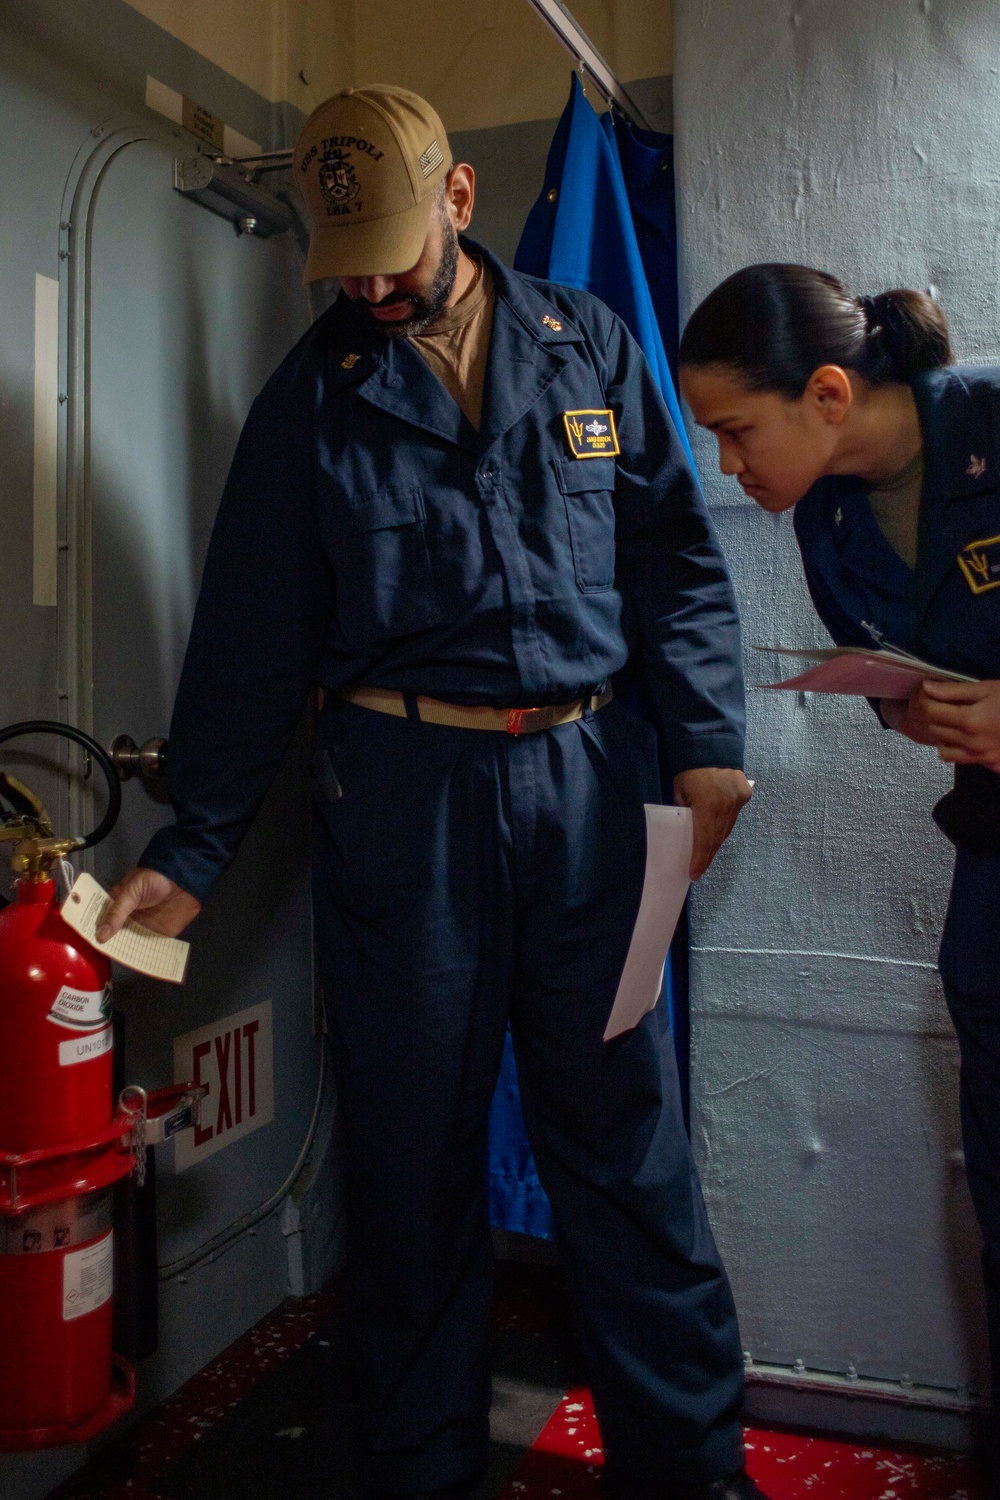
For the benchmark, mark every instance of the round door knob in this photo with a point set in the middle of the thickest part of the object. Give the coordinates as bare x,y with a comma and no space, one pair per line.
145,761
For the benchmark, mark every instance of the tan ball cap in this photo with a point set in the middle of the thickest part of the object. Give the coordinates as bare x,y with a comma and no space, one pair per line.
367,163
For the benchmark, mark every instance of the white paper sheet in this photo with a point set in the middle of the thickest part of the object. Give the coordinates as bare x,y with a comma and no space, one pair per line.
855,671
669,842
134,946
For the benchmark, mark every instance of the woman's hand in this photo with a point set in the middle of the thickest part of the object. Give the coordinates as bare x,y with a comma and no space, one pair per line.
960,719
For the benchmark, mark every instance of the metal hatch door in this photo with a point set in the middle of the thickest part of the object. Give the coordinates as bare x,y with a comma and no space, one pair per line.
178,323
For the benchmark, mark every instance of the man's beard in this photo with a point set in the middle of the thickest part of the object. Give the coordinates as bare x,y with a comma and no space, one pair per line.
426,309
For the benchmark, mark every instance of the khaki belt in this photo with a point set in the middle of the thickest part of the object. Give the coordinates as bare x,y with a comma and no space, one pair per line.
505,720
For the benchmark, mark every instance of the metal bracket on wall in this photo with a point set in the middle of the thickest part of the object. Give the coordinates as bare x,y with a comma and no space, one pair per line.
230,189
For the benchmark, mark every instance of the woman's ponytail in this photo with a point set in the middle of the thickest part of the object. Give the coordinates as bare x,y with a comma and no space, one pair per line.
776,324
906,333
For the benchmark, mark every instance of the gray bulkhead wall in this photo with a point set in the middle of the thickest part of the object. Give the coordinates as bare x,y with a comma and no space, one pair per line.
184,323
863,139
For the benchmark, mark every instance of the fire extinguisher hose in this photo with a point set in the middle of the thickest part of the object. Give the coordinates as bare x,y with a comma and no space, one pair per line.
101,758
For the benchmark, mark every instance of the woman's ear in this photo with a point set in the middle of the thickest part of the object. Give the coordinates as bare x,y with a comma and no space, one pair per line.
830,393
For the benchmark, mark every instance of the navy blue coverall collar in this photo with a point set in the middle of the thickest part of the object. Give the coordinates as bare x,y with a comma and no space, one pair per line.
961,463
524,360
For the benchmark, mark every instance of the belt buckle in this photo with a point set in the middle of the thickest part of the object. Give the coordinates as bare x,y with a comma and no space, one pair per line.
532,720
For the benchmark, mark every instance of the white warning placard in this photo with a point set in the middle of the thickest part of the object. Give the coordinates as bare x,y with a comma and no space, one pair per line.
235,1058
87,1278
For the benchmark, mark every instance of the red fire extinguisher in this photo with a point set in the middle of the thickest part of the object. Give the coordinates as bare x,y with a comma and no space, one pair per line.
63,1144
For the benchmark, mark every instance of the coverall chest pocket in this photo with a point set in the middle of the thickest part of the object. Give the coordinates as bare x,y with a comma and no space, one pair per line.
979,631
965,613
377,543
588,488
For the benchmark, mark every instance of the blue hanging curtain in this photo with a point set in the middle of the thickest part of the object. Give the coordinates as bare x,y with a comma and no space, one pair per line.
647,161
585,228
517,1199
604,222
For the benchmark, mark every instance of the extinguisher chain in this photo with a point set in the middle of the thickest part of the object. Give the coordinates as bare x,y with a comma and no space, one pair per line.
134,1102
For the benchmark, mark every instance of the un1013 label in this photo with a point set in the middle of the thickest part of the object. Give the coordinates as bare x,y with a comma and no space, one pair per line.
82,1048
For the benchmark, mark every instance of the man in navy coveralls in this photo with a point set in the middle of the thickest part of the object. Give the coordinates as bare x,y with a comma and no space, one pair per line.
457,507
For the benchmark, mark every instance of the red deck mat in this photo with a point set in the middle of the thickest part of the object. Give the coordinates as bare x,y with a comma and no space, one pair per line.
566,1459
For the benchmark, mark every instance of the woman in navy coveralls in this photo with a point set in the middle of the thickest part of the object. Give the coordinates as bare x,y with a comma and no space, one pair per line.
817,397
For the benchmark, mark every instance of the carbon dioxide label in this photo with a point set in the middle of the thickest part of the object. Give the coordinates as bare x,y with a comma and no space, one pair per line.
82,1010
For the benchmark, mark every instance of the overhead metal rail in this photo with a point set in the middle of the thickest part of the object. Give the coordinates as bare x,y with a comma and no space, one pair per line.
588,59
573,37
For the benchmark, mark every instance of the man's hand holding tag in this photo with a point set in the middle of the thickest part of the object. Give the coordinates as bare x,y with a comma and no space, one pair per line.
153,901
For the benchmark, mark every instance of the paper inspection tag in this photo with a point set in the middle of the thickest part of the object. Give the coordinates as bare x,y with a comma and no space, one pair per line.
669,843
135,946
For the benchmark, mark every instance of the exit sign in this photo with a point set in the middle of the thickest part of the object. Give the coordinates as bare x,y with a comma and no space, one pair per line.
235,1058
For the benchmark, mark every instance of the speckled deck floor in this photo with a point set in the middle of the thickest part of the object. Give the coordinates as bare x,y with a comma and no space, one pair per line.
273,1419
565,1460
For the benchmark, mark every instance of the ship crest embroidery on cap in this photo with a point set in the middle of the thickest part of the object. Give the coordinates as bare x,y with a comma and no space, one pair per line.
337,180
431,159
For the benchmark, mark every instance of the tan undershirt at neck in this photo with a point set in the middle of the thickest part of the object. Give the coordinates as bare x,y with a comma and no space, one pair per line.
457,346
895,505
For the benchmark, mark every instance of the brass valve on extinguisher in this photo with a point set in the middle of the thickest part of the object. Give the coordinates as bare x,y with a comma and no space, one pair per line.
29,827
25,822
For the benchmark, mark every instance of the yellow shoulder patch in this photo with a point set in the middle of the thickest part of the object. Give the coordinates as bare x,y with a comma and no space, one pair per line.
591,434
980,562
